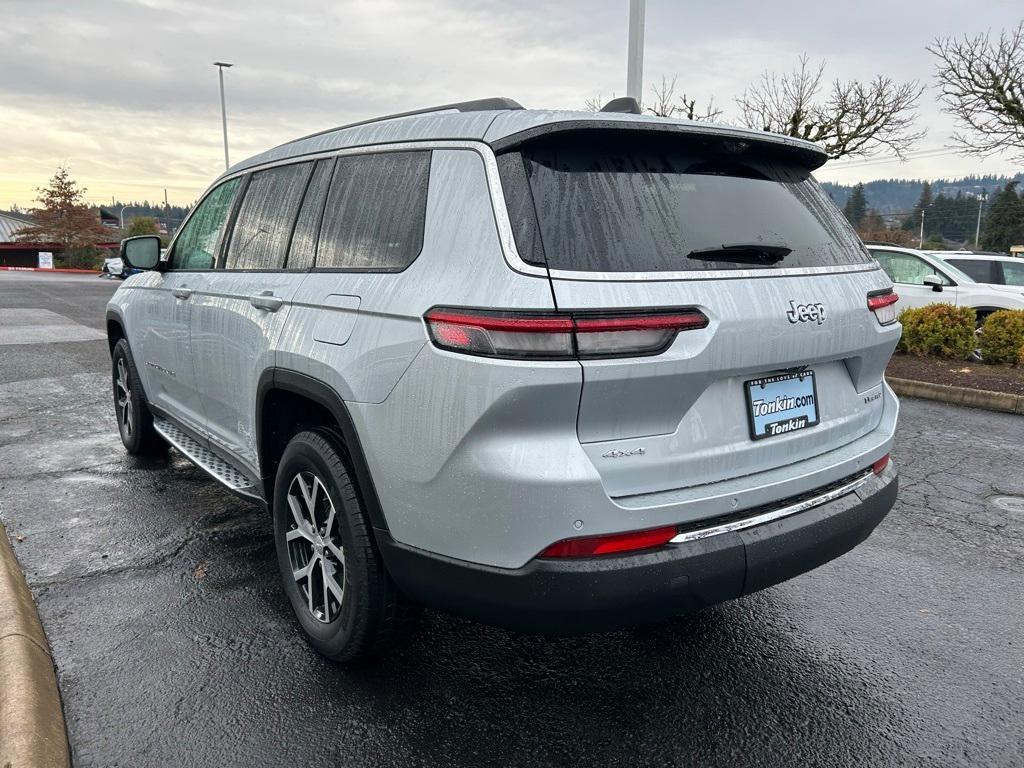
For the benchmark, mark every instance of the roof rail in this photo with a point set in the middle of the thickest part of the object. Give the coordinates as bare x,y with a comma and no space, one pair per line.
477,105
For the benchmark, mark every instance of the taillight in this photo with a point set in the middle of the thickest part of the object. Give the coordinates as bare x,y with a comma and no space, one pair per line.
884,307
879,466
558,336
592,546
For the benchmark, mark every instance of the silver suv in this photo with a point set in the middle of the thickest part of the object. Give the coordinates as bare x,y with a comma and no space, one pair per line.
557,371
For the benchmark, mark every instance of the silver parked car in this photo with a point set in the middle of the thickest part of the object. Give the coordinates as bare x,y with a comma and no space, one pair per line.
557,371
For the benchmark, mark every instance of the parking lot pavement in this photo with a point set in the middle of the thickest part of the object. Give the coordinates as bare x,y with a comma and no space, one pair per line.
175,646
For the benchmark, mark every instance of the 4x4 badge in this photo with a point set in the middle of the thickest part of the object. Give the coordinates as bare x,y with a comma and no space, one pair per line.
617,454
804,313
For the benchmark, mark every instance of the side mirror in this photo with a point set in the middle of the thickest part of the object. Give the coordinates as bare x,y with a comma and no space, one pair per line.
141,252
935,282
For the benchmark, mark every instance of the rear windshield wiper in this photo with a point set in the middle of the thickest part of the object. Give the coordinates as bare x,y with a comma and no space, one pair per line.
762,254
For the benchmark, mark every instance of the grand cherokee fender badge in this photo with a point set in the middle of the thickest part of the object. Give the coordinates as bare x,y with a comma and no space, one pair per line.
804,313
617,454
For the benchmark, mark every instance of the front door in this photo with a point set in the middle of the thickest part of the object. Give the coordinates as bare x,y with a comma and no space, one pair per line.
908,272
163,313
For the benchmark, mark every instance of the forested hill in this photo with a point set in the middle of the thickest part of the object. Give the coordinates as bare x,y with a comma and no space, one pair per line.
901,195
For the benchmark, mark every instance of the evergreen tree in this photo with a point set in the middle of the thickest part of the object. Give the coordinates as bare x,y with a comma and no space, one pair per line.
1004,223
856,206
913,221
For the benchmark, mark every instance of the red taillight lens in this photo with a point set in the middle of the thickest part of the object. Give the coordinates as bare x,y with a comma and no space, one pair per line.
592,546
879,466
554,336
884,307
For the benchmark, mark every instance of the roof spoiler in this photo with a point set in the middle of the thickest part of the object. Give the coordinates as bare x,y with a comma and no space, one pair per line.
737,141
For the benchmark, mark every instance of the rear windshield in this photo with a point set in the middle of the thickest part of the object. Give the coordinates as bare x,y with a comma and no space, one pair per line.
619,203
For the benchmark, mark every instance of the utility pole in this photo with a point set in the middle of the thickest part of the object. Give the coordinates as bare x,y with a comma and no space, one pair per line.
977,230
920,239
635,53
220,65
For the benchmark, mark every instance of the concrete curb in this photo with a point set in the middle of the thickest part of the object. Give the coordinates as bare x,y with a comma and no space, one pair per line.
972,398
54,269
32,731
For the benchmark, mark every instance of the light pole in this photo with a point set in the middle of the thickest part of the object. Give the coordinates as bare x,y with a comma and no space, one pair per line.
977,229
220,65
635,52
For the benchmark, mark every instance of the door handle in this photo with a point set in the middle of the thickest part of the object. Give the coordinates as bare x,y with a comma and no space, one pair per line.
266,301
182,293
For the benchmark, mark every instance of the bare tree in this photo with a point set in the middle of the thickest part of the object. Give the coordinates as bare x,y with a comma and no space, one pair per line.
852,119
982,84
665,103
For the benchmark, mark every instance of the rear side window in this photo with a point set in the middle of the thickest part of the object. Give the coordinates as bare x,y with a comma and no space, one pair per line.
982,271
302,251
1013,272
617,202
196,246
375,211
266,217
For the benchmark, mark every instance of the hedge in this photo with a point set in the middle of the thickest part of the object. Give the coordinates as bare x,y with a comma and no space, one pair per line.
942,330
1002,337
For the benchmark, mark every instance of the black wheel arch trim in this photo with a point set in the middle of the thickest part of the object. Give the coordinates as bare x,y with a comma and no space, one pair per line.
322,394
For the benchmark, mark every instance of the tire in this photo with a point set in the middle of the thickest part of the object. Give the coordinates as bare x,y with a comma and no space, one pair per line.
134,419
332,573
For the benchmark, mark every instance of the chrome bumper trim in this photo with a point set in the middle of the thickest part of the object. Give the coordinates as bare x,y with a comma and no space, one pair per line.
775,514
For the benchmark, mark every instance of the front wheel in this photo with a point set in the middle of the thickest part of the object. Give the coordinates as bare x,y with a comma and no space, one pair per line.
134,420
331,570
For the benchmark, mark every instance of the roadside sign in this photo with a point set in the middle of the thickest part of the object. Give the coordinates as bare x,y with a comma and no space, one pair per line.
45,260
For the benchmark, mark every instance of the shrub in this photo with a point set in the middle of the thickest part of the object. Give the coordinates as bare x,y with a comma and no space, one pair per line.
938,329
1002,336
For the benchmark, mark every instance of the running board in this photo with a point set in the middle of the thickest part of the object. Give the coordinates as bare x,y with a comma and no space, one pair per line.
220,470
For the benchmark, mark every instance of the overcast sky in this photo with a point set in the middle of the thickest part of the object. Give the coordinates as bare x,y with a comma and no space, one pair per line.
124,93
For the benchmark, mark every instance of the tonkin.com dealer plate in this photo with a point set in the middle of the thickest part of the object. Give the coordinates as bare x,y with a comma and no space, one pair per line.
778,405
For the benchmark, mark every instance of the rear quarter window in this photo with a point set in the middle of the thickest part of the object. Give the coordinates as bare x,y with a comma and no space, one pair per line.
375,212
618,203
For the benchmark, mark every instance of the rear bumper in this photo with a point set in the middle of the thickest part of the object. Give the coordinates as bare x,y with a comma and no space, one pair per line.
567,596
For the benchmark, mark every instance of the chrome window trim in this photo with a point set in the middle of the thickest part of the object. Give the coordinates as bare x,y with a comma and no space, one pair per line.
505,234
772,515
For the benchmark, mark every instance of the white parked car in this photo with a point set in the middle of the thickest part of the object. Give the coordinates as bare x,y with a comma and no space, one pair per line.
922,278
988,268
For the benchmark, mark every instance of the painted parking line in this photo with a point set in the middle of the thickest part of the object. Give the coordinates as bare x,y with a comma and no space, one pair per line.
41,326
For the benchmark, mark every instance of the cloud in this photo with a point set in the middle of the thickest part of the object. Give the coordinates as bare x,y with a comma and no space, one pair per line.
124,90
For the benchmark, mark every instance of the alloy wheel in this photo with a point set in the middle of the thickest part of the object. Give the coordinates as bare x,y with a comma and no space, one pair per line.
124,398
314,547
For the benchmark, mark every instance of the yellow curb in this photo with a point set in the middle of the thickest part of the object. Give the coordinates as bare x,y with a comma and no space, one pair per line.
973,398
32,731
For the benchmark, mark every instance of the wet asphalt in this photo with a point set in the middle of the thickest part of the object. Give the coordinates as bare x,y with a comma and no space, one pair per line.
175,646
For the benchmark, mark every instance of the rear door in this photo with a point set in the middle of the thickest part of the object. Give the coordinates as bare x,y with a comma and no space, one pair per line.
756,246
160,313
239,313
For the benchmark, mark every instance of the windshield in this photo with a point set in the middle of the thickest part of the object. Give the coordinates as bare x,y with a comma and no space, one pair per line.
621,203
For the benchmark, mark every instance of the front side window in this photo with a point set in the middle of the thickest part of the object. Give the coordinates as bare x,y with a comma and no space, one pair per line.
266,218
629,201
907,268
197,243
375,211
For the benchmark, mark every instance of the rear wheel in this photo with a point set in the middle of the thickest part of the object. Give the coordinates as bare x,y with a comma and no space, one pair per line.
331,570
134,420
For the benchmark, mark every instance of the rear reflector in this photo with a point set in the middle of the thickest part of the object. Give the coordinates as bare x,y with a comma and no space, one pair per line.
879,466
592,546
558,336
884,307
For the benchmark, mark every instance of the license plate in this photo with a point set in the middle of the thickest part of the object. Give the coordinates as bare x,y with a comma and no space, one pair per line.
780,404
